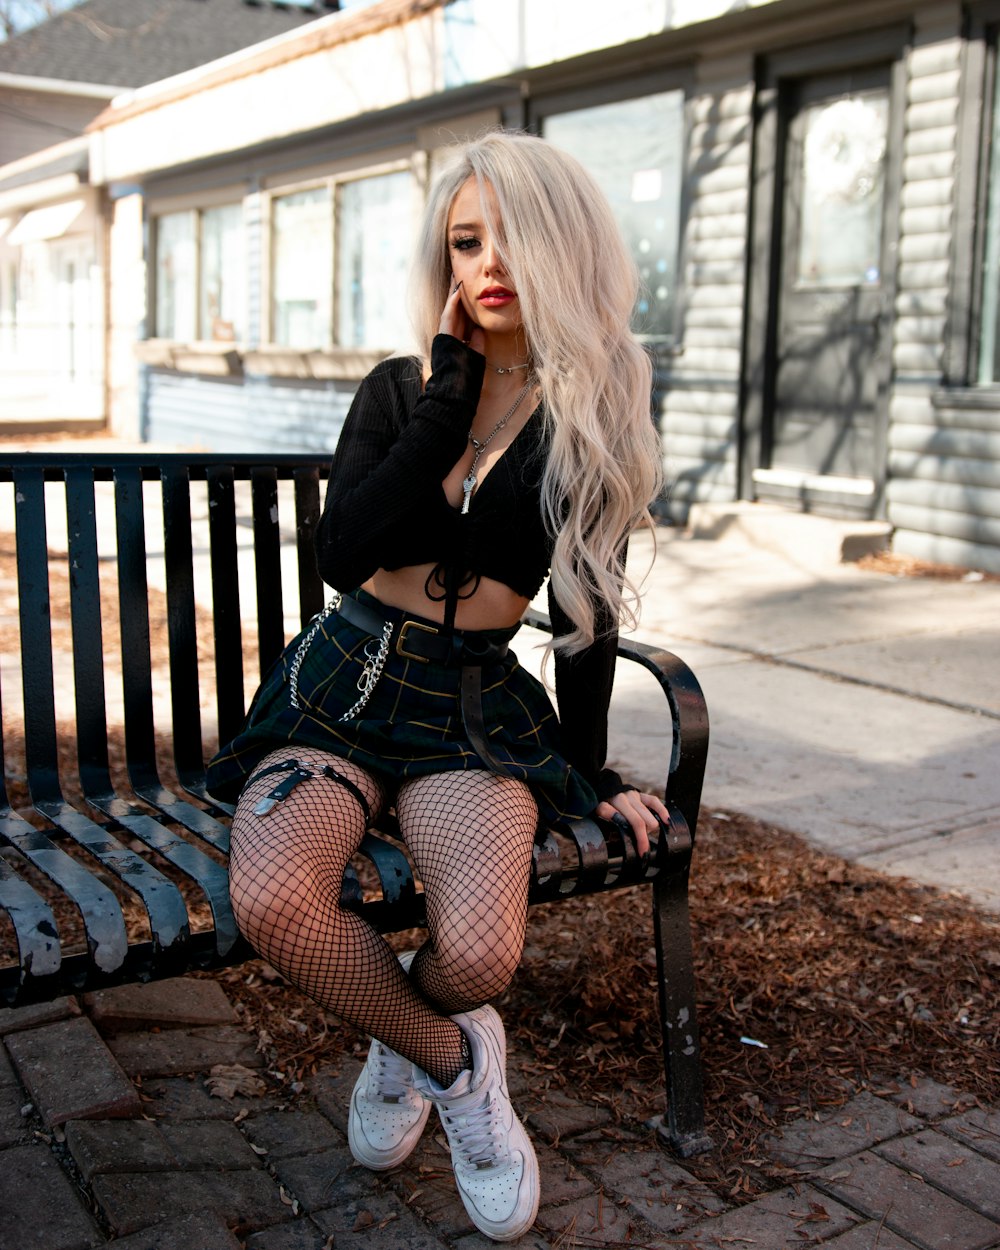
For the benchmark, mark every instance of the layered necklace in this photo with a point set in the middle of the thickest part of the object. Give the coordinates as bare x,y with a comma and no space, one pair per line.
480,445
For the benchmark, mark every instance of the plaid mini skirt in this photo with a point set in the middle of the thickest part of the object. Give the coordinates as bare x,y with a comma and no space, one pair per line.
411,725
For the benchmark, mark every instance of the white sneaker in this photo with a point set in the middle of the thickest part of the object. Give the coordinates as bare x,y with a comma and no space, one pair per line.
495,1166
387,1114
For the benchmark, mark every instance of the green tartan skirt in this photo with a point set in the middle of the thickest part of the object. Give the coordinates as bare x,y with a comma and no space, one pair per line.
411,725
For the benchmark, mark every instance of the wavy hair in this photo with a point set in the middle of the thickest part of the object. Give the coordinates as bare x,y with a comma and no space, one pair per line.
577,284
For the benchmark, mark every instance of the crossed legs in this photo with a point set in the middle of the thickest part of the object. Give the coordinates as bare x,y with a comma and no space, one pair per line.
470,835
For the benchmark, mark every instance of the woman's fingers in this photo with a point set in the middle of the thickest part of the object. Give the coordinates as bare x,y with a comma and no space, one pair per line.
453,316
639,809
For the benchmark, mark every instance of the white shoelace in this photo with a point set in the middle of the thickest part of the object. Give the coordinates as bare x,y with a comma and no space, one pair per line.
393,1075
474,1135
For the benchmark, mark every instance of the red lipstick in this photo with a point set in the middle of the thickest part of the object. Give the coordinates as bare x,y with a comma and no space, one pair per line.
496,296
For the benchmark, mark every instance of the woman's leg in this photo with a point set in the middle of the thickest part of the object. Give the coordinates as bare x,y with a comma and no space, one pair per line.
470,835
286,870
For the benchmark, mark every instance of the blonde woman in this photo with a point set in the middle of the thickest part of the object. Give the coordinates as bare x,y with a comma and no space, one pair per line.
519,444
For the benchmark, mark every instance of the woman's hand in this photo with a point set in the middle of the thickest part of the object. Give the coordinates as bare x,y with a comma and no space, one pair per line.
638,809
457,322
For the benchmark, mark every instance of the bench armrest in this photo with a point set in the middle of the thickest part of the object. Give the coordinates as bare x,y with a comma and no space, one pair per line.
688,716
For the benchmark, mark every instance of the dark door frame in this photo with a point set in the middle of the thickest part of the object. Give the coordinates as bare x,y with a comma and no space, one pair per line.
776,77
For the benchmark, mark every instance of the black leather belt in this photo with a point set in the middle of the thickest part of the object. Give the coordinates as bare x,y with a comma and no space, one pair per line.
426,642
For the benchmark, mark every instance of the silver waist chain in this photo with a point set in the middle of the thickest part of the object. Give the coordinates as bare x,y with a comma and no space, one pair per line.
376,654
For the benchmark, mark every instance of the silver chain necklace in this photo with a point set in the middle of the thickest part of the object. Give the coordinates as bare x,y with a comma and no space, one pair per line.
469,485
508,368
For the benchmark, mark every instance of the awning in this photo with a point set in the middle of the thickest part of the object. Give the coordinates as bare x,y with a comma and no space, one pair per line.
50,222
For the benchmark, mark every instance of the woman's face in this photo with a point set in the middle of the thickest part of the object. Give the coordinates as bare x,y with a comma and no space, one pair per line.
488,293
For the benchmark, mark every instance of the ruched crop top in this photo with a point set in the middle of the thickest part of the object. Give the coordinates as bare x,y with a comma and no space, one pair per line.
385,508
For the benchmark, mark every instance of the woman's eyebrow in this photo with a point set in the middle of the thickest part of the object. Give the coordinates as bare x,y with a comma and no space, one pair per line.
464,225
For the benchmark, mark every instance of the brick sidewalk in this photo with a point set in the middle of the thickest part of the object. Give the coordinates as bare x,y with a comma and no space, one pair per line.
109,1135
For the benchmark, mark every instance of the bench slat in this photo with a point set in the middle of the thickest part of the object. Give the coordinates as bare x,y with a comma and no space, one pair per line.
185,679
34,928
227,629
307,513
86,622
267,565
37,680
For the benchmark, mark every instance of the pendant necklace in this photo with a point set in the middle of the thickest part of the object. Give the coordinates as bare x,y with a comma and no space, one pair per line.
508,368
469,485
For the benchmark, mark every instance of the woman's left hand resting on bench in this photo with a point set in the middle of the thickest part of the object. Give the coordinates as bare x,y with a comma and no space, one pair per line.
638,809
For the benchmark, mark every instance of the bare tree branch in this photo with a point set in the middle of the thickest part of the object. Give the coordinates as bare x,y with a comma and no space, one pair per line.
19,15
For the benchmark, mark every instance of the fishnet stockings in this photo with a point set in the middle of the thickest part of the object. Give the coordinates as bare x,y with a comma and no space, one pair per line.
470,835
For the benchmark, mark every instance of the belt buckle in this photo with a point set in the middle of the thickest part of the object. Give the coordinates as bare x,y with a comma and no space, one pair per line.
401,640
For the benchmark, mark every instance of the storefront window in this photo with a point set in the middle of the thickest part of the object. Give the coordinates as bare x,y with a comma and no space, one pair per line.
989,342
843,187
374,247
176,276
302,267
223,282
634,149
200,275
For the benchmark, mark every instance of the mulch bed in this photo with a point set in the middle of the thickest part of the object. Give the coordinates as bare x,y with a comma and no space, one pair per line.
848,978
909,566
851,979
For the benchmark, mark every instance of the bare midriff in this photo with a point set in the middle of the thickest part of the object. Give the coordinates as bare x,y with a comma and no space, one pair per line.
492,605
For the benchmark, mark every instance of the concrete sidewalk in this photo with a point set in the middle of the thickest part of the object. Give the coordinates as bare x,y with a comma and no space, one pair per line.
858,709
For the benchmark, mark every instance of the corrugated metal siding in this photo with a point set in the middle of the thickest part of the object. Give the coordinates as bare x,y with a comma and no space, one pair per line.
699,409
943,493
253,414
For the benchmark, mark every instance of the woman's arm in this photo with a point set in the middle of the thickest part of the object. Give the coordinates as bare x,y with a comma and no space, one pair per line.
583,692
387,472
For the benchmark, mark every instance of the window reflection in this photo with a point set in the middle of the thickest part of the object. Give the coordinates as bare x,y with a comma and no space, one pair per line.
374,246
634,149
223,282
989,344
302,265
176,275
843,185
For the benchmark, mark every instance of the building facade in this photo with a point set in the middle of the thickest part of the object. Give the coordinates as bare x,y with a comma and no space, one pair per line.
55,78
810,192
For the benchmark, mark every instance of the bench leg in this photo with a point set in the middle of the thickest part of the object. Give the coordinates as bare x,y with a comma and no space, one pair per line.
684,1124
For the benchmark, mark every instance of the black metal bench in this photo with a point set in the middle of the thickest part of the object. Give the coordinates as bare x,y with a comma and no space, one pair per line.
112,873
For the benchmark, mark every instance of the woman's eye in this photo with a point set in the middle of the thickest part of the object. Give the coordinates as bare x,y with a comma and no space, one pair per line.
463,244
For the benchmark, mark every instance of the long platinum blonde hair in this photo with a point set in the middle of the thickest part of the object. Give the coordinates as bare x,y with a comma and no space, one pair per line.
577,285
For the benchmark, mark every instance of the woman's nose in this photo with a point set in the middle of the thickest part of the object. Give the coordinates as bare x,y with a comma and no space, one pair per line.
491,260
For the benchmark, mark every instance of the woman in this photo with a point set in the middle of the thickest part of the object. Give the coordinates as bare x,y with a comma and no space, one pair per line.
520,441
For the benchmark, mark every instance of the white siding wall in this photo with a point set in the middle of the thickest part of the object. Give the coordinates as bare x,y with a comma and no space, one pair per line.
700,408
943,492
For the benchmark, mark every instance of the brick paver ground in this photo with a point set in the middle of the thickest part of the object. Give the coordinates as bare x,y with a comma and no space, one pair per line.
109,1136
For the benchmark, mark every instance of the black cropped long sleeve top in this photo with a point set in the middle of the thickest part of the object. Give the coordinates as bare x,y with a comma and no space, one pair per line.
385,508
